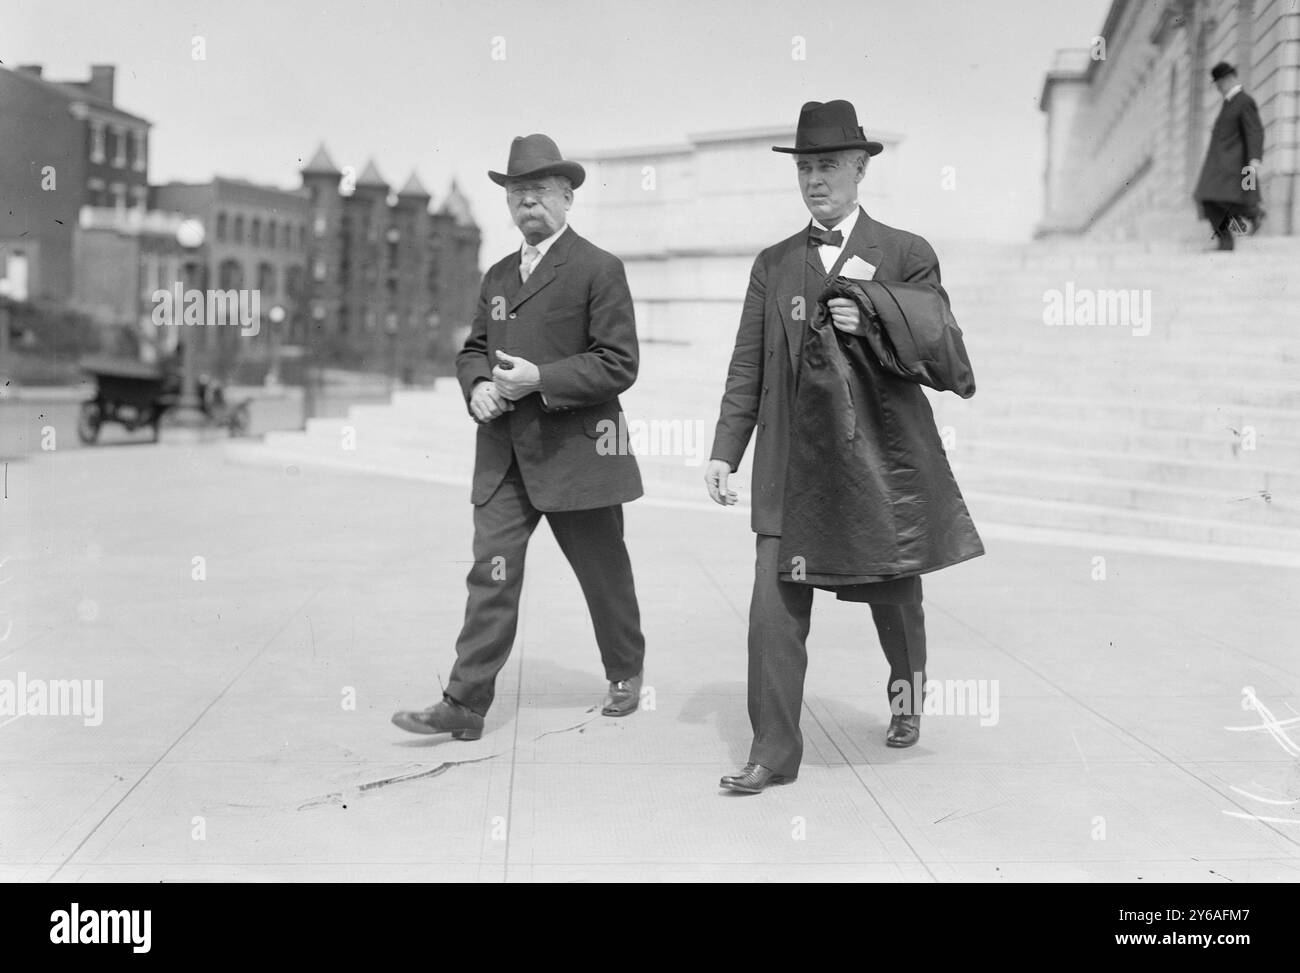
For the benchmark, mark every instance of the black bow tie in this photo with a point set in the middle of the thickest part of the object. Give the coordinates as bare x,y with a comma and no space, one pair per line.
825,238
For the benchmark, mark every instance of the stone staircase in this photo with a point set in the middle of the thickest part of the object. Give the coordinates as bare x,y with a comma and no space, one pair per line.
1185,430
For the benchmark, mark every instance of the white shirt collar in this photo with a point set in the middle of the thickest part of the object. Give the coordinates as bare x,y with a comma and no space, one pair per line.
544,245
845,225
1232,91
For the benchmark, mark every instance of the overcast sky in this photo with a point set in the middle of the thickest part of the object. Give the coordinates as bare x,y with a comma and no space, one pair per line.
414,83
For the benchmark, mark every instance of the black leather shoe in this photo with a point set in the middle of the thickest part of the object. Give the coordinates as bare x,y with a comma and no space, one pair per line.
444,717
903,731
752,779
624,697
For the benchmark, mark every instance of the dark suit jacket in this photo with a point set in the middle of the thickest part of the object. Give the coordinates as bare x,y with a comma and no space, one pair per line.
573,319
760,380
1237,137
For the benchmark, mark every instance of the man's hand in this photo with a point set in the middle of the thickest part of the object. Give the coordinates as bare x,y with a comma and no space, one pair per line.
845,315
715,478
486,403
515,377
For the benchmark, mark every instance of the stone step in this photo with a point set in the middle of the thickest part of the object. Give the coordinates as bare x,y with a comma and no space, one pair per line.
1278,451
1026,385
1247,506
1235,477
1120,413
1002,508
1186,360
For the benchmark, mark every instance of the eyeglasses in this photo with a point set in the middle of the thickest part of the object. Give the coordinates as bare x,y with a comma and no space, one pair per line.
519,192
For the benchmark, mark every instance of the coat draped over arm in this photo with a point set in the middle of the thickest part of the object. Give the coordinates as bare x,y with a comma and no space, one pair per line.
869,495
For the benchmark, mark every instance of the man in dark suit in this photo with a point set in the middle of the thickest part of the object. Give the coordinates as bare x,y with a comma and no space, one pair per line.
1228,189
552,345
905,502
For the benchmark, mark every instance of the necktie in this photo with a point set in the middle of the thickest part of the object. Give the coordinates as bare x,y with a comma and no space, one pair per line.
825,238
531,256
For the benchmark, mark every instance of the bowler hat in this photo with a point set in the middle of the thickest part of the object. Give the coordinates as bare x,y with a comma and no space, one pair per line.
829,127
537,155
1222,70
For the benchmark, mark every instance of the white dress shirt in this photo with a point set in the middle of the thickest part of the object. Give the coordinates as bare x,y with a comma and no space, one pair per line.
831,254
524,269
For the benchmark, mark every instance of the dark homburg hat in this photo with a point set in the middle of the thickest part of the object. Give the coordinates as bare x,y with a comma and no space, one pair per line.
537,155
1222,70
829,127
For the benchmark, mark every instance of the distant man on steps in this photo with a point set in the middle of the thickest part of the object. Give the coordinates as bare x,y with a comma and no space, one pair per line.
1228,190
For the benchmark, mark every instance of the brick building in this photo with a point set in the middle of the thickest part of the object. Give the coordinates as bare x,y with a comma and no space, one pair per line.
63,145
254,239
391,282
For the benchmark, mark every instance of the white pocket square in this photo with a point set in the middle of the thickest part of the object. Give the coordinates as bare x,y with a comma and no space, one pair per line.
855,268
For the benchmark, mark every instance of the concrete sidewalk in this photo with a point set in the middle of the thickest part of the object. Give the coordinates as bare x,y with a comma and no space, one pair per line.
227,747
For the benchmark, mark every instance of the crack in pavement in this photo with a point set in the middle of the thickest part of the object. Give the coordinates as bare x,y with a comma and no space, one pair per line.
566,729
358,790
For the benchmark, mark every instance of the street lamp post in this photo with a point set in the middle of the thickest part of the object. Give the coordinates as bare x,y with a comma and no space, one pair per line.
277,316
390,326
190,235
317,318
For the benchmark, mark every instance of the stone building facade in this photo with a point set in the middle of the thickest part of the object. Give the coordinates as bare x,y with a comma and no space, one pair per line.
1128,119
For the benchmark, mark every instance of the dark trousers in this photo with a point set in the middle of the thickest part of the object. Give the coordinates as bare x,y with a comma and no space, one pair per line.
1221,217
592,541
780,614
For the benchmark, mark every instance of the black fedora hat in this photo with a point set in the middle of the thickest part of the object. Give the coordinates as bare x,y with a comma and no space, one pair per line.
537,155
828,127
1222,70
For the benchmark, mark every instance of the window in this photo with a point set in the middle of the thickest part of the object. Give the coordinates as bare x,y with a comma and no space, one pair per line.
221,227
318,270
118,193
239,229
141,153
230,275
117,140
319,226
266,279
255,232
96,141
